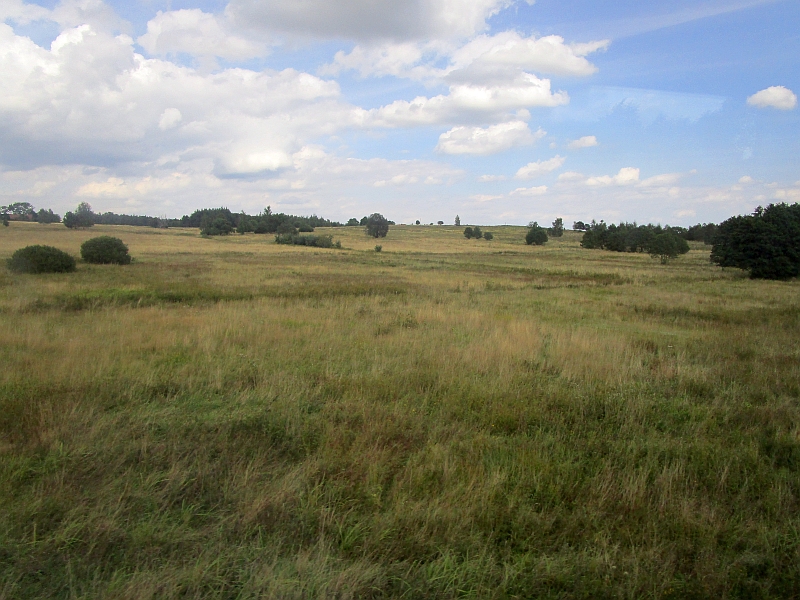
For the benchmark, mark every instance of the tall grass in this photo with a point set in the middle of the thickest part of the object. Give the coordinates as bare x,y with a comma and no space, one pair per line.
232,419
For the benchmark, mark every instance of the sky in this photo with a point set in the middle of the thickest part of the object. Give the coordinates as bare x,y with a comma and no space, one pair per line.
499,111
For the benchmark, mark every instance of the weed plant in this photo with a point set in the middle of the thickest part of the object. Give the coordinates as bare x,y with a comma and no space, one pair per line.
232,418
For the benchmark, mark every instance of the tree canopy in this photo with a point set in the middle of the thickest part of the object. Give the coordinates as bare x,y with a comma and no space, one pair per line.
377,225
766,243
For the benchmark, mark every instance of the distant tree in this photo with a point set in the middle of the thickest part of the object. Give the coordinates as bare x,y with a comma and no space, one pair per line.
578,226
458,221
666,246
352,222
488,235
376,225
21,211
105,250
536,235
766,243
219,226
417,222
440,222
468,233
363,221
47,216
477,233
5,220
557,229
82,217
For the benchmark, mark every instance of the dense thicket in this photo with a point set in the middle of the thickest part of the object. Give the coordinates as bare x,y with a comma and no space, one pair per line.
265,222
105,250
41,259
766,243
662,242
318,241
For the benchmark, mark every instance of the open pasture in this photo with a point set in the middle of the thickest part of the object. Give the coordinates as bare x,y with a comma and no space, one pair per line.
230,418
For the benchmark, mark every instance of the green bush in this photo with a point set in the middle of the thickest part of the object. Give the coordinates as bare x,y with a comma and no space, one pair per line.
536,235
219,226
41,259
488,235
105,250
317,241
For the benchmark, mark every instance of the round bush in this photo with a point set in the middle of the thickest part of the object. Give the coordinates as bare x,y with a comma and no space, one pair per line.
105,250
41,259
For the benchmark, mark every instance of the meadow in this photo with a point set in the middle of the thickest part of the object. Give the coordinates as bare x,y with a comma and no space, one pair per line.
446,418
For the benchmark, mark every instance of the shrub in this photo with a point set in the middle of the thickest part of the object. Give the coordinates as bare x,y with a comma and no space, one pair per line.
41,259
352,222
536,235
378,248
488,235
318,241
468,233
105,250
377,225
666,246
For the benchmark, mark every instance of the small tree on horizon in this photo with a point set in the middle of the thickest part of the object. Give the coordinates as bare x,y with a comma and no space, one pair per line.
458,221
557,229
536,235
376,225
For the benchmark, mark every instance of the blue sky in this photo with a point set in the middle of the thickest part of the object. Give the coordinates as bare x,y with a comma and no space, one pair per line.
499,111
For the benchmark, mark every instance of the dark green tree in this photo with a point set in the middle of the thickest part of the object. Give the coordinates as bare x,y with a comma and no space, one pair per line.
488,235
352,222
458,221
468,233
557,229
536,235
766,243
82,217
219,226
666,245
376,225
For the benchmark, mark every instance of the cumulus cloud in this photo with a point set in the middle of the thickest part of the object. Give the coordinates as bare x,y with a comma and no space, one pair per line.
469,102
775,96
197,33
531,191
92,99
539,168
484,141
665,179
571,176
367,19
626,176
746,179
586,141
485,58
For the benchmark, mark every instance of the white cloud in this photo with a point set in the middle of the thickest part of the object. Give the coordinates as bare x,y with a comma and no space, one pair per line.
666,179
491,140
485,197
489,178
539,168
169,118
775,96
586,141
746,179
367,19
571,176
18,12
626,176
197,33
91,97
531,191
487,59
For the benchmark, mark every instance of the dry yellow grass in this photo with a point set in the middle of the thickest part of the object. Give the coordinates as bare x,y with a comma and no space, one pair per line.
448,417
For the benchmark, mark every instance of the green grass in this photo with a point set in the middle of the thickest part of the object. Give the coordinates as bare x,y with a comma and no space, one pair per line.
230,418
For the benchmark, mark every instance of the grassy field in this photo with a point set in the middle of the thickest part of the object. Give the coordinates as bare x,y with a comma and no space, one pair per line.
230,418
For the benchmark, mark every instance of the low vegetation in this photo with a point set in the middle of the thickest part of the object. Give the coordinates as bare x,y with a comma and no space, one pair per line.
242,419
105,250
41,259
